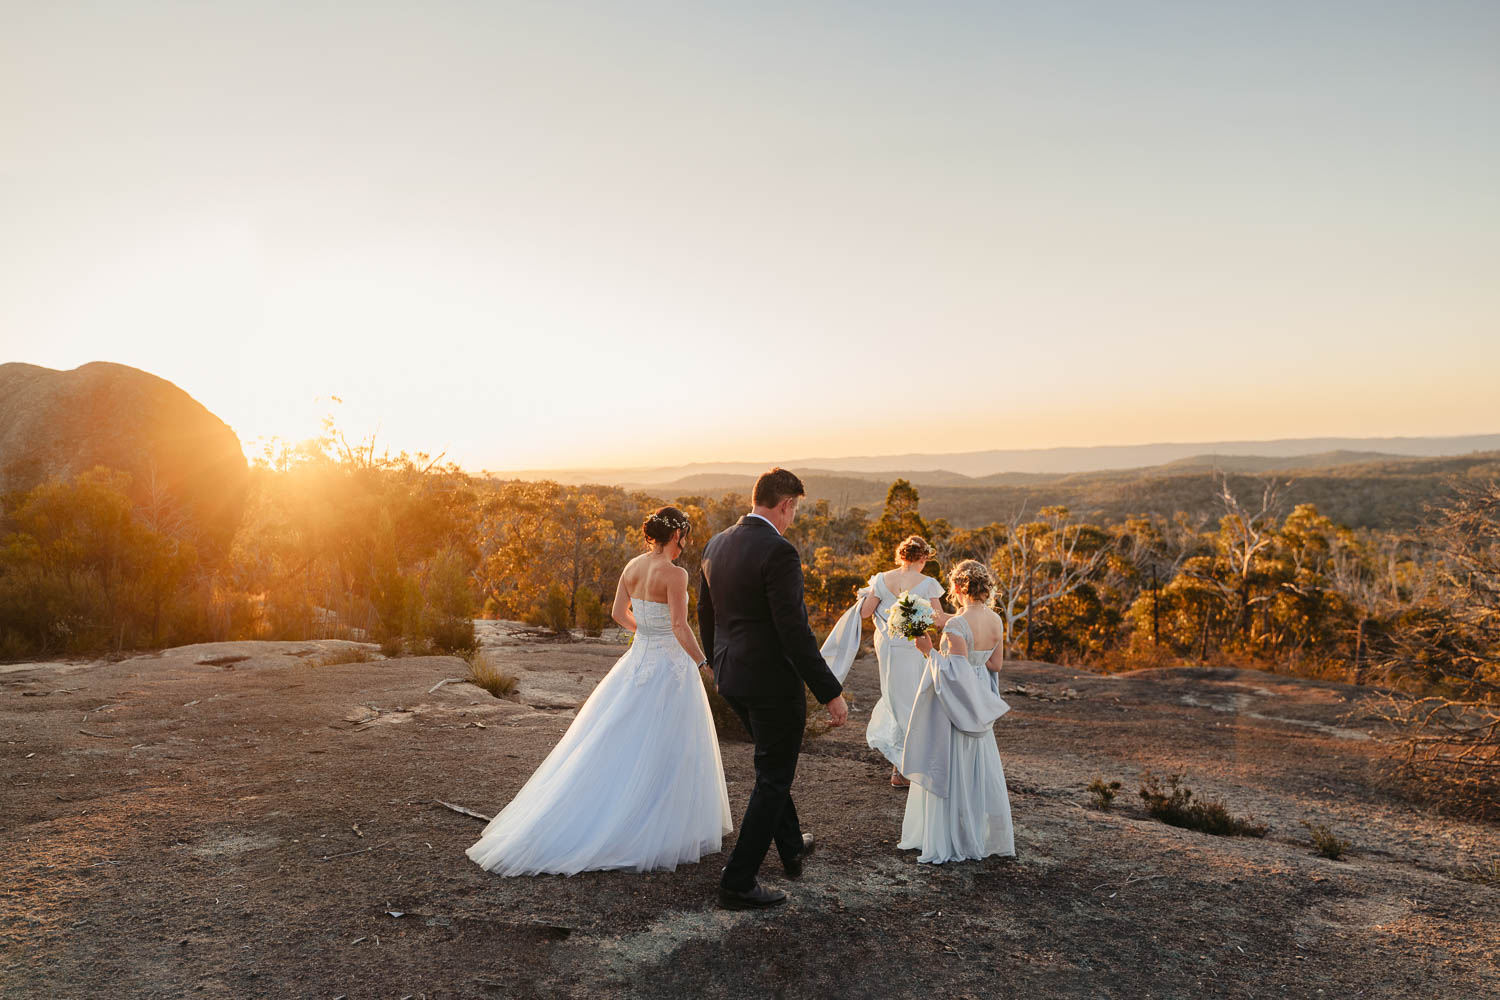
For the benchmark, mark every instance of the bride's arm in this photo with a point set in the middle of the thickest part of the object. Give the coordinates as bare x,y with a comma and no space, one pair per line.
677,605
621,611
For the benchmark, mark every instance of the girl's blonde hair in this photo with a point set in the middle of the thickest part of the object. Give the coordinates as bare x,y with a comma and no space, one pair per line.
972,579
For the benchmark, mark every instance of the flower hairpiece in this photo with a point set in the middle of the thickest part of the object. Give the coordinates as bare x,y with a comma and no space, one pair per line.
973,575
673,523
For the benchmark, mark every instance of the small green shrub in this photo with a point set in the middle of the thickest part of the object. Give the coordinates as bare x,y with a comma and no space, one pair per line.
485,673
14,646
1328,845
447,617
591,612
1175,806
1103,793
392,646
451,635
555,609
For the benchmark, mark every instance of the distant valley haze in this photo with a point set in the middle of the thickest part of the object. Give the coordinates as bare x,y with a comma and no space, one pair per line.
955,468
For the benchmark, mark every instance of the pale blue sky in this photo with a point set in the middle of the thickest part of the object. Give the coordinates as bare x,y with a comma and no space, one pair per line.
568,234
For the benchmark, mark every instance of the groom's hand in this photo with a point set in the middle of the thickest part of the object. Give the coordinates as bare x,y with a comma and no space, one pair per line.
838,712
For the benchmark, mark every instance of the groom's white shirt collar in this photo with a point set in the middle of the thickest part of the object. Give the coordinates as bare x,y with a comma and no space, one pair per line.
765,519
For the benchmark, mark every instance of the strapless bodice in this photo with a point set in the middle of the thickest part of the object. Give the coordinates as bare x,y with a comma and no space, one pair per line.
652,618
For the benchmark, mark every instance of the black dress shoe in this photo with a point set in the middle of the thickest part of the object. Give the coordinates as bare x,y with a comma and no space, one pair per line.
793,867
757,897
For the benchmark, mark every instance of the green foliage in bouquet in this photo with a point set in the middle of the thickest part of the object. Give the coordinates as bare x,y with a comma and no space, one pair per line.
911,617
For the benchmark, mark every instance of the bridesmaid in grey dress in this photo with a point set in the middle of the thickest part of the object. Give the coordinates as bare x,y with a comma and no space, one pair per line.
958,808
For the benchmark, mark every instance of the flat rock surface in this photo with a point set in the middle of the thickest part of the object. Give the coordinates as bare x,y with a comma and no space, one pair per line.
237,820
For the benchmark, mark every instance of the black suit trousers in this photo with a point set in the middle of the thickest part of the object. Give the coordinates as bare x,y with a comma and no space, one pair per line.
776,725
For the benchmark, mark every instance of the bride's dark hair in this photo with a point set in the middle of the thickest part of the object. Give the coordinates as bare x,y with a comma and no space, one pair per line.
658,527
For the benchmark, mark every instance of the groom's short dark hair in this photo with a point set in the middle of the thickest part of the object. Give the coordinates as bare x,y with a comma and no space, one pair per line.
775,486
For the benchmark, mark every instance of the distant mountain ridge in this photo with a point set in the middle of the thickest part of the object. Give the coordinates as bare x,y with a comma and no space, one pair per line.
1018,466
1388,493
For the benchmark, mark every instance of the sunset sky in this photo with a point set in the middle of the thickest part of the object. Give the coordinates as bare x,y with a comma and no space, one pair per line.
561,234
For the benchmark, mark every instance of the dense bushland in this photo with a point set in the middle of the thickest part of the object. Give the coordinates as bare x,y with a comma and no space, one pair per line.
337,542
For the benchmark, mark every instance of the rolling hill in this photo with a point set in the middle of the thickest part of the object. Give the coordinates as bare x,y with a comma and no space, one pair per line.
1379,492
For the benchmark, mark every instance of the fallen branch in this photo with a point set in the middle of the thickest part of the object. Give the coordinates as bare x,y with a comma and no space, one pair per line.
461,809
329,857
445,680
98,736
1130,880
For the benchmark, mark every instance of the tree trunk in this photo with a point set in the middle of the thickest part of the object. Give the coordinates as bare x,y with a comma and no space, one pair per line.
1155,611
1243,625
1359,651
1203,647
1029,577
573,590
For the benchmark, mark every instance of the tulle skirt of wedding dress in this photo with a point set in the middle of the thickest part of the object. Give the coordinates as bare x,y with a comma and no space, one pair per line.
974,820
636,782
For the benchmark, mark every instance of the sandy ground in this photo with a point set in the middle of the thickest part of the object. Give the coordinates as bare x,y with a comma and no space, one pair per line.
235,820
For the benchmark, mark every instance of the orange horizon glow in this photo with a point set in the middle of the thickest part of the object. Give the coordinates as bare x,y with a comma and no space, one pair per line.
551,239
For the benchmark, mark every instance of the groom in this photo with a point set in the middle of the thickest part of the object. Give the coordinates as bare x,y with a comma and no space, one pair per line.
754,625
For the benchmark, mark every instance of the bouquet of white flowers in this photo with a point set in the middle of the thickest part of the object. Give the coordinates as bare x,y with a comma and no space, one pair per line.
911,617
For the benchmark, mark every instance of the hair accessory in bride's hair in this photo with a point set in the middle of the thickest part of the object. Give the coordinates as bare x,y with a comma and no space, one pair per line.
670,522
660,525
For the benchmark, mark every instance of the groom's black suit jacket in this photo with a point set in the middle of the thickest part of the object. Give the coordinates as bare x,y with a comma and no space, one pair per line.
753,618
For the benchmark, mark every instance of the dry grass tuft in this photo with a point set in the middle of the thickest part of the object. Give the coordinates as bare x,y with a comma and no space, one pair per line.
485,673
345,654
818,722
1175,806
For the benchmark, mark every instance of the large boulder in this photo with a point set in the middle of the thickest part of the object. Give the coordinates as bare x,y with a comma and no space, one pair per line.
180,457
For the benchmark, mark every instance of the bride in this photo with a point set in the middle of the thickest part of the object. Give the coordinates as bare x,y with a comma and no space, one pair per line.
636,782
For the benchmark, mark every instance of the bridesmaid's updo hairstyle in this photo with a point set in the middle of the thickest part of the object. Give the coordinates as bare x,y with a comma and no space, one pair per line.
971,579
914,549
659,526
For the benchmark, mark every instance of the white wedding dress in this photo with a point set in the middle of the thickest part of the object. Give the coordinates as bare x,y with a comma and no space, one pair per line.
901,665
636,782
